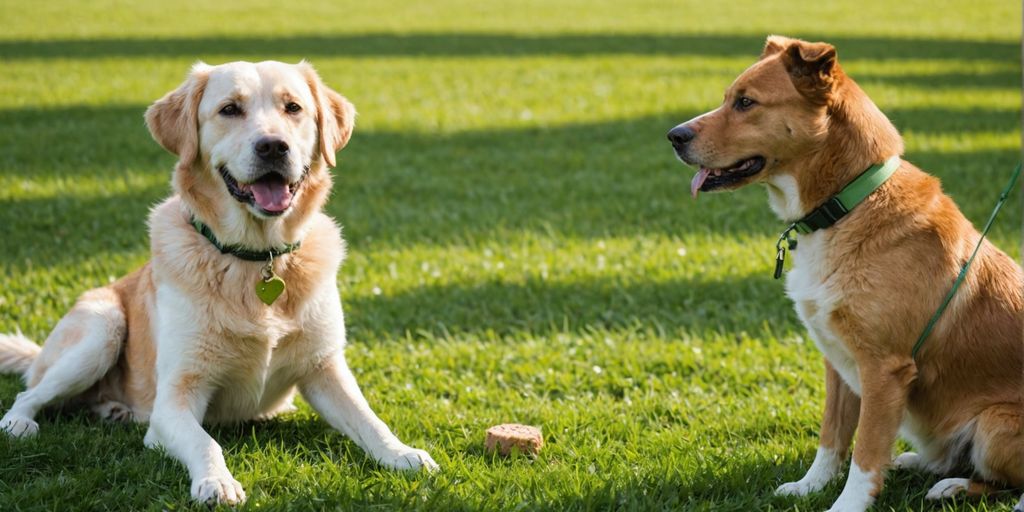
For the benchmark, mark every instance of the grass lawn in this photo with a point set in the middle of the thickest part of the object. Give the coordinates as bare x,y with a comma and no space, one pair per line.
522,244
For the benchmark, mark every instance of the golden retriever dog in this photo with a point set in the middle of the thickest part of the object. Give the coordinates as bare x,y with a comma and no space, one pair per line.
205,332
866,287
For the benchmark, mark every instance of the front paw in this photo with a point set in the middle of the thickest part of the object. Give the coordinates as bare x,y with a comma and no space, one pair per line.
223,490
16,425
407,458
801,487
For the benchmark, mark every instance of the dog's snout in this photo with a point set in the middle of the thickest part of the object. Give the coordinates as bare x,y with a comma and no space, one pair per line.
271,148
681,135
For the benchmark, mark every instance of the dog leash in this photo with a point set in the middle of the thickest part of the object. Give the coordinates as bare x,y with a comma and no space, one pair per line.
967,265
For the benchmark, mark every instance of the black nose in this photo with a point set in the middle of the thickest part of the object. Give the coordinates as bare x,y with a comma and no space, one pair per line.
271,148
681,135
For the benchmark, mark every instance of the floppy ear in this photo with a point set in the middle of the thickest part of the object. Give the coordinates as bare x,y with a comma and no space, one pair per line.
335,115
812,66
172,120
775,44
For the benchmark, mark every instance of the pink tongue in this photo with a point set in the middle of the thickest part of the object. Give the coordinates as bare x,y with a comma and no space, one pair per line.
698,180
272,195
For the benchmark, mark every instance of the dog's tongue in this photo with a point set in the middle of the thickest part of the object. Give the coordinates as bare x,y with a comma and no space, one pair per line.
698,180
272,194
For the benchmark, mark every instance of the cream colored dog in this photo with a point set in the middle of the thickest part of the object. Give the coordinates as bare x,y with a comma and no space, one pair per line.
189,338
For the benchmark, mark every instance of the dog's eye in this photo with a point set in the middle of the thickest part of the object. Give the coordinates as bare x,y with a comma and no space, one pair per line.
292,107
743,103
230,110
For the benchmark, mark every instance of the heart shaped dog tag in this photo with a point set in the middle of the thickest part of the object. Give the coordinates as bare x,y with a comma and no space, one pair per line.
268,290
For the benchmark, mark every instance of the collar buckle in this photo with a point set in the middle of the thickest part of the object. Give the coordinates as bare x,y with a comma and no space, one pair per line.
824,216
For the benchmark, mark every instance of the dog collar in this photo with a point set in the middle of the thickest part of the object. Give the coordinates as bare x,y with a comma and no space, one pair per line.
835,208
242,252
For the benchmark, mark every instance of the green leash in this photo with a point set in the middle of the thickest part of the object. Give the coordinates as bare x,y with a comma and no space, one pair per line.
967,265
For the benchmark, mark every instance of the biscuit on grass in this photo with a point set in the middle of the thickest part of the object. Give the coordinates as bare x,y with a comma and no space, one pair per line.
511,437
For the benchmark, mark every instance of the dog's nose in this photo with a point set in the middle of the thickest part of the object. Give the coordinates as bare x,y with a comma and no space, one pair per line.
271,148
681,135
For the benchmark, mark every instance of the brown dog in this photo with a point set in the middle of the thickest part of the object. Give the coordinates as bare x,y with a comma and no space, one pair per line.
866,286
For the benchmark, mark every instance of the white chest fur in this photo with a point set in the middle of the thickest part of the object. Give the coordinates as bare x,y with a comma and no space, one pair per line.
251,365
807,284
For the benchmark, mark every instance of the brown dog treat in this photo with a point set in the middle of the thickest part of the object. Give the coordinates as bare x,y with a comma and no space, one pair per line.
505,438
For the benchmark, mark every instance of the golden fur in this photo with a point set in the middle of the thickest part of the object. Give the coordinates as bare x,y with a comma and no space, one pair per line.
185,339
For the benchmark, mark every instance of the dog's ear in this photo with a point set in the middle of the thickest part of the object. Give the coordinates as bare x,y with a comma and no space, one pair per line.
173,120
812,66
775,44
335,115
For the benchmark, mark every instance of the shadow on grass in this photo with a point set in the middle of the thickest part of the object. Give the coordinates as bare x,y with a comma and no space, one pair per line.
728,306
502,45
108,465
591,180
1005,79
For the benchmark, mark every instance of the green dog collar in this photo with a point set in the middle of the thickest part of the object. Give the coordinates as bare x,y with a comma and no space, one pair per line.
835,208
242,252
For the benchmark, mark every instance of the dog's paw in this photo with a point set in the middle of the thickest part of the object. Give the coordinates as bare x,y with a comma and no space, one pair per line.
16,425
947,488
859,492
908,460
801,487
223,490
843,507
113,411
407,458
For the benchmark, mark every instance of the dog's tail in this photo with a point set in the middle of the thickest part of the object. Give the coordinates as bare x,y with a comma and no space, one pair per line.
17,353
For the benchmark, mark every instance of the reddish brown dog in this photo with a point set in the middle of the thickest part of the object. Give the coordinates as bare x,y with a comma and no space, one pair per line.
866,286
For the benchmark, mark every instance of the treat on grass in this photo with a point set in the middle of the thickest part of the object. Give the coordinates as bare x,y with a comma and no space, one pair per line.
511,436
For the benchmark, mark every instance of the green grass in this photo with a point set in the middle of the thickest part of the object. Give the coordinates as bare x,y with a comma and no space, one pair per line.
522,246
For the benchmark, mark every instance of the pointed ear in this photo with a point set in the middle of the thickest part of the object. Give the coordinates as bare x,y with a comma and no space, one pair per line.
173,121
335,115
775,44
812,66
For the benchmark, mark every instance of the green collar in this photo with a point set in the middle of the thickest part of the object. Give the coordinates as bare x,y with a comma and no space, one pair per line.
836,207
242,252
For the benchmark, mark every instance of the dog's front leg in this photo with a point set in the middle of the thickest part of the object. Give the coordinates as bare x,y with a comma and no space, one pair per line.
842,408
885,385
332,390
180,404
189,365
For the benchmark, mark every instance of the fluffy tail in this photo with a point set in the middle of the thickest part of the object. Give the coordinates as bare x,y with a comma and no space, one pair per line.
17,353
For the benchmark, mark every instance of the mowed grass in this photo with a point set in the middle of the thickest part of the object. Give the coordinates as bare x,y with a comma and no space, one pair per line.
522,246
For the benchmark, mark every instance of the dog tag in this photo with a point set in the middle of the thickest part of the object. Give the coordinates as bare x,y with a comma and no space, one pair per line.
269,289
780,260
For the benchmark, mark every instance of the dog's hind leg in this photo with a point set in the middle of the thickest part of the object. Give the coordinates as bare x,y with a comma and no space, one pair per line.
79,352
949,487
111,410
997,454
